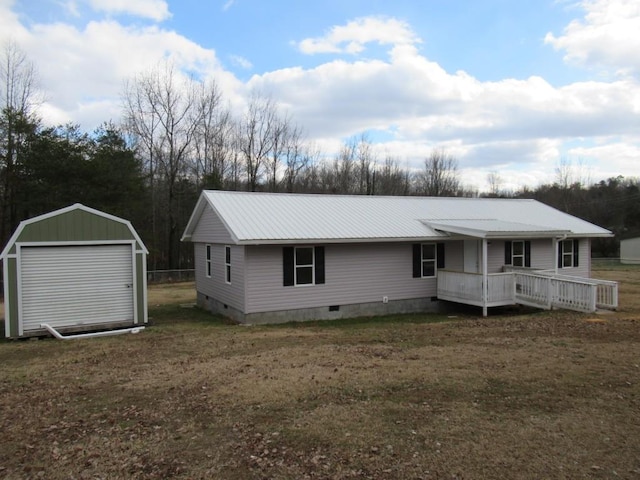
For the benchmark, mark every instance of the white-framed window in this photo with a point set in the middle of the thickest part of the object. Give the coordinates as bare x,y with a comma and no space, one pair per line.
429,260
227,264
207,262
304,265
517,253
568,253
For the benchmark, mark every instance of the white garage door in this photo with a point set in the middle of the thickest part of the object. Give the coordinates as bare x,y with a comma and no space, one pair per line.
76,285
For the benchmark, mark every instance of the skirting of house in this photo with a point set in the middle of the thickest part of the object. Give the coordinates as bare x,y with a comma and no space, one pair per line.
333,312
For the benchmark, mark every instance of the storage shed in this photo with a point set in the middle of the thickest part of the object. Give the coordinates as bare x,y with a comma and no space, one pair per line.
75,269
630,251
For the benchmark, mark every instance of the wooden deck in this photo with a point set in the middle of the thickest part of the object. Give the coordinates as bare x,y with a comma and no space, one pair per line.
542,289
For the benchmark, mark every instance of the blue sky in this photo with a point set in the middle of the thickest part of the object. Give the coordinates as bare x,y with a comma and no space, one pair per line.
513,87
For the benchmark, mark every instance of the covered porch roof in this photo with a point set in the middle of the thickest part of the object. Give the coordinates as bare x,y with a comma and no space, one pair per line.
493,228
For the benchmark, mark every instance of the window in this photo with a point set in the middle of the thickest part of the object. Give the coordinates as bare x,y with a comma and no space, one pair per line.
427,259
303,266
517,253
568,253
227,264
207,268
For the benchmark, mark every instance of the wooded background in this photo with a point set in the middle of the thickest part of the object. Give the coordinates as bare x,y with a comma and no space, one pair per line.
178,135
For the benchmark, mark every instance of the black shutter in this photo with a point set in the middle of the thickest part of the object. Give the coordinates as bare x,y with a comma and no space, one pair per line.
576,252
440,255
417,260
560,254
527,253
287,266
319,258
507,252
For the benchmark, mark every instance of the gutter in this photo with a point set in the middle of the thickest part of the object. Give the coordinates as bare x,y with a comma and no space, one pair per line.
59,336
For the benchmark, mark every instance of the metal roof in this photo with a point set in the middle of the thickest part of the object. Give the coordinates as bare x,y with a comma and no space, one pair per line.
254,218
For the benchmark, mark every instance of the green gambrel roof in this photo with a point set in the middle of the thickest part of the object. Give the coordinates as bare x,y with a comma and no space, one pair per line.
76,223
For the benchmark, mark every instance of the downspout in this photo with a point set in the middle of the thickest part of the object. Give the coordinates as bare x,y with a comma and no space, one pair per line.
106,333
485,278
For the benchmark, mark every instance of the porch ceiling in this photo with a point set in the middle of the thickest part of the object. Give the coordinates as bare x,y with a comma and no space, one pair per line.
492,228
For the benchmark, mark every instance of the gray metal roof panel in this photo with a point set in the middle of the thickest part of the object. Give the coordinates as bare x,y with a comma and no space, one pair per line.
272,217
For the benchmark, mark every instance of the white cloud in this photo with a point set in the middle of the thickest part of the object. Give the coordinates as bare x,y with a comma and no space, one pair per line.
241,62
621,156
606,38
83,70
227,5
352,37
157,10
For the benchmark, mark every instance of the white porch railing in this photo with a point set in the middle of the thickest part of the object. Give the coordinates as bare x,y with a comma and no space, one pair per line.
467,288
538,289
545,291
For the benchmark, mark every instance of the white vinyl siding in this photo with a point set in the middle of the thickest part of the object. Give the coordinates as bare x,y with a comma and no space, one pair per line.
216,286
76,285
354,273
210,229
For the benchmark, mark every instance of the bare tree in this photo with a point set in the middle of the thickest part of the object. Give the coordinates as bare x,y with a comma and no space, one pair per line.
255,136
495,183
297,157
280,134
19,102
440,175
391,179
344,175
162,111
366,161
213,136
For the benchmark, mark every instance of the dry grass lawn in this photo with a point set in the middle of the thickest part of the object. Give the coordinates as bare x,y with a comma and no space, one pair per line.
522,394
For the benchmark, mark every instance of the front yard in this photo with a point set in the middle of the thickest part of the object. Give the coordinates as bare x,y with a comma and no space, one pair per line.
520,395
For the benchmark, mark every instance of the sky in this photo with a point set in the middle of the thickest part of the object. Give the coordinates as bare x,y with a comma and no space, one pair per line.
517,88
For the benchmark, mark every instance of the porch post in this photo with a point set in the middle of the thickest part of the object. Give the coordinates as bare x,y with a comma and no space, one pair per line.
485,278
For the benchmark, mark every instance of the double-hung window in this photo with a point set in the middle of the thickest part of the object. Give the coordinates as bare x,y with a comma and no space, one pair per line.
568,253
428,260
227,264
302,266
207,263
517,253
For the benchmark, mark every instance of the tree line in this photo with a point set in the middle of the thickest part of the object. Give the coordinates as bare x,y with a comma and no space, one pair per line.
178,135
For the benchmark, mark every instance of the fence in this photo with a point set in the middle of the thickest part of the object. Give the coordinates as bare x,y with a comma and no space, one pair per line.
170,276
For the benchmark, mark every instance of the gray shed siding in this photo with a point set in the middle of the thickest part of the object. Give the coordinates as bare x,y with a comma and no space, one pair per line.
210,229
354,274
630,251
232,294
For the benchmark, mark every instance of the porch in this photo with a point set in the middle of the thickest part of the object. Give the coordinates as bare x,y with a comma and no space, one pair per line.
536,288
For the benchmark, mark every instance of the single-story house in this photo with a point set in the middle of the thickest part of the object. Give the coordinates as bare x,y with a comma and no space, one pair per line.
630,251
74,269
267,257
